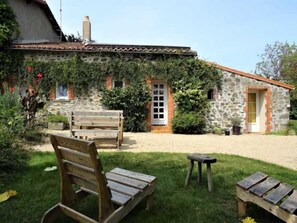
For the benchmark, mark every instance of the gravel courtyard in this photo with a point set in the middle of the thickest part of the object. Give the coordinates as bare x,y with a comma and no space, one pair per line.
281,150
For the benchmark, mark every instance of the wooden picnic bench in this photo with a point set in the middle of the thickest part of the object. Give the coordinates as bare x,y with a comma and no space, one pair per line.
278,198
105,127
118,190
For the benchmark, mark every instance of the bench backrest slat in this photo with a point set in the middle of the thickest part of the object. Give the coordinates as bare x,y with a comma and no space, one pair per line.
105,119
78,164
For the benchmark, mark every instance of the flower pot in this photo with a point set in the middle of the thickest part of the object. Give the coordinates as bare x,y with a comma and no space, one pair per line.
227,132
56,125
236,130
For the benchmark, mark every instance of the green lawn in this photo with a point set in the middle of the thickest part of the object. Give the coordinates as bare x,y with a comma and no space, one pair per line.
39,190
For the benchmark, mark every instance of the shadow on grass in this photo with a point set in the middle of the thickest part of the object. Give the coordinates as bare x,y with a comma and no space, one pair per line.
39,190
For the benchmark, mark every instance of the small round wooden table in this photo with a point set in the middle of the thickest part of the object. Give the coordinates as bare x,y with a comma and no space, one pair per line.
200,158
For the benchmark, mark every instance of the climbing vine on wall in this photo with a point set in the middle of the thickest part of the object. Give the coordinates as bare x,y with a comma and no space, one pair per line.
189,79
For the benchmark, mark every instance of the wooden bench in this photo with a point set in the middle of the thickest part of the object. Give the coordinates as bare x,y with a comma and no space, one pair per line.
200,158
278,198
118,191
105,126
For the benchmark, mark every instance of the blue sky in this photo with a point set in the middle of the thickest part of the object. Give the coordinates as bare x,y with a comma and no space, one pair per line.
232,33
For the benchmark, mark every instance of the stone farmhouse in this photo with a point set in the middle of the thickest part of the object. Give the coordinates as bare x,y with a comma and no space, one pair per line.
261,104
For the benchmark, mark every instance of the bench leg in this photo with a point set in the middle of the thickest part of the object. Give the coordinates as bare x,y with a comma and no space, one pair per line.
199,179
241,207
149,202
209,178
190,169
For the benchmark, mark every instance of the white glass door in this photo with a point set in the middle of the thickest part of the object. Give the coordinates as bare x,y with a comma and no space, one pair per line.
159,103
253,108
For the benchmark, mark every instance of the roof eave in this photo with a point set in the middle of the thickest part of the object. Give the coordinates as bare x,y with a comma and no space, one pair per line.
259,78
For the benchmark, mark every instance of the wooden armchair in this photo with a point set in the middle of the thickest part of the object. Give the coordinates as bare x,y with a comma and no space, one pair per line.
118,191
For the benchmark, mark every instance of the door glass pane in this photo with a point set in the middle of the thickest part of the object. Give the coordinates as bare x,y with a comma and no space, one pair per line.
252,97
252,118
252,107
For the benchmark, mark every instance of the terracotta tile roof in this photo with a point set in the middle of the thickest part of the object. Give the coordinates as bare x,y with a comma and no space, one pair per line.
107,48
253,76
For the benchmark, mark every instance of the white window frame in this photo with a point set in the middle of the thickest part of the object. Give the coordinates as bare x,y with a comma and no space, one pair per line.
58,96
164,121
113,83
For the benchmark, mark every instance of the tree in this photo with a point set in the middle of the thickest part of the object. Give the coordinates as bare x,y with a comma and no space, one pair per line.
270,65
9,30
8,25
73,38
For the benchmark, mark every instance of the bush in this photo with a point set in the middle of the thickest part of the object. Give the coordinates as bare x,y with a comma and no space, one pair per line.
188,123
293,108
292,125
12,156
133,101
11,112
57,118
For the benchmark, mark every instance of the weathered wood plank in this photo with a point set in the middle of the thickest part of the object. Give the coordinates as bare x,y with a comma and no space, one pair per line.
83,173
203,158
91,185
121,188
102,113
279,193
126,181
252,180
76,157
119,198
94,134
105,124
76,215
263,187
246,196
133,175
62,141
290,204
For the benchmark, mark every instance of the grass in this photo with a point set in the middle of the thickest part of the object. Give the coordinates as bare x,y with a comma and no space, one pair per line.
39,190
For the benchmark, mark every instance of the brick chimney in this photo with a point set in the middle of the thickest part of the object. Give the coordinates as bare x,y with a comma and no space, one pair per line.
86,30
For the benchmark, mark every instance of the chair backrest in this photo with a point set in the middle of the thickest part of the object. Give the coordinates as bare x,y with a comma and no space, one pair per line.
79,164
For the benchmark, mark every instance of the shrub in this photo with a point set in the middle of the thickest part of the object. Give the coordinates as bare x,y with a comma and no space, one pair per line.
188,123
12,156
133,101
293,108
292,125
11,111
57,118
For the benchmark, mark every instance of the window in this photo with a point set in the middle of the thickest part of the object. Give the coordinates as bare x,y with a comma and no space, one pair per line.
62,91
210,94
118,84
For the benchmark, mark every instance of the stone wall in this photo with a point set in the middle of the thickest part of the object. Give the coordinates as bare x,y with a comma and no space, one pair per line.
231,101
81,103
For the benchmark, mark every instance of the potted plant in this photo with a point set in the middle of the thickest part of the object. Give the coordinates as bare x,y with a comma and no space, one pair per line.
57,122
236,121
